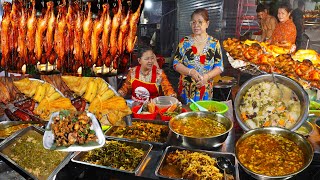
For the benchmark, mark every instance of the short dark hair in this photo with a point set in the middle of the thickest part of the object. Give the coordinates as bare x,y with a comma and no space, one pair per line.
286,6
203,12
143,49
261,8
301,3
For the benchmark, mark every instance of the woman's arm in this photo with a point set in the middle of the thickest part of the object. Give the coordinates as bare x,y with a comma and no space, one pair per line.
166,86
126,87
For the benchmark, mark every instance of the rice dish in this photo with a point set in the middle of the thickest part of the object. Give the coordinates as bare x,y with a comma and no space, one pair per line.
264,104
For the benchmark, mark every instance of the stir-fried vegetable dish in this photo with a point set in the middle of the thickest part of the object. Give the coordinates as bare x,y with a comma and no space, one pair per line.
197,127
71,128
190,165
265,104
270,154
143,131
28,152
116,155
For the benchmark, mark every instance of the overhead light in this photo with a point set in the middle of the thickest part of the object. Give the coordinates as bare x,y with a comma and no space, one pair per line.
148,4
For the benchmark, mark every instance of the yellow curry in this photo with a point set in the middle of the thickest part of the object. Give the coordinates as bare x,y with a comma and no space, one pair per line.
197,127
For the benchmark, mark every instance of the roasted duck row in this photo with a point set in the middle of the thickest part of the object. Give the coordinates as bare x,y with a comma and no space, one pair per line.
304,70
71,38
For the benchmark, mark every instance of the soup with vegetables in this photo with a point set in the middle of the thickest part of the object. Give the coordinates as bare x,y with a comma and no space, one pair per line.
265,104
197,127
270,154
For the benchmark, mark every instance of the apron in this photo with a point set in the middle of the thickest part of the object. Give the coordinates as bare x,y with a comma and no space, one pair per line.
142,91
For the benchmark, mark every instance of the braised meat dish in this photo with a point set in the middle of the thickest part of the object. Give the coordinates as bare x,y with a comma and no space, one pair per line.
71,128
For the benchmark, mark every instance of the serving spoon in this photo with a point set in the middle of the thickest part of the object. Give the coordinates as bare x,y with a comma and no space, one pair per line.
198,106
225,165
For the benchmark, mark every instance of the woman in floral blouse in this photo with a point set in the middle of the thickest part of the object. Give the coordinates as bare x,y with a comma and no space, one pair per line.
144,80
198,59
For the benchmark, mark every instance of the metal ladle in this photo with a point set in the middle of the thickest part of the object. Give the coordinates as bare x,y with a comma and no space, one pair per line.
225,165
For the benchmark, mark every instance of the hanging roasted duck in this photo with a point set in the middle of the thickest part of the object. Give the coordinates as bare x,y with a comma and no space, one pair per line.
96,37
50,54
106,36
86,40
5,32
114,31
77,42
22,33
133,22
70,19
31,33
124,28
59,36
40,36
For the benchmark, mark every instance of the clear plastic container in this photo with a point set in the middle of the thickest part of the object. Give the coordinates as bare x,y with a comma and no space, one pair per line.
164,101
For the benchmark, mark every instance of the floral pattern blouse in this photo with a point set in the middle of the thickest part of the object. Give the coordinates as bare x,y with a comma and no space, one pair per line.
203,62
284,32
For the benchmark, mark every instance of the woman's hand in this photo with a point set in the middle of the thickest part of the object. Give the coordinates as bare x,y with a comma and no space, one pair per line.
195,75
203,81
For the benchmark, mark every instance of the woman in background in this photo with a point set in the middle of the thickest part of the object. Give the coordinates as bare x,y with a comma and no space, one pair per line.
144,80
198,59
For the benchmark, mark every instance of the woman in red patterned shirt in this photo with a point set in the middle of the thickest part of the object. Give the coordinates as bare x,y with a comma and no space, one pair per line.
285,32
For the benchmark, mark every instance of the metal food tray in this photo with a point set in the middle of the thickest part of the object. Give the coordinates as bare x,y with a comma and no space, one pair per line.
155,144
169,149
18,168
145,146
6,124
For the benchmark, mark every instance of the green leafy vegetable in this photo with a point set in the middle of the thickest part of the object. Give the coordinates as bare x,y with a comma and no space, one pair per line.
314,105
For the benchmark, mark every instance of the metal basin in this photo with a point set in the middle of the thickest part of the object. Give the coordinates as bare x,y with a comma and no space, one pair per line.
297,89
301,141
203,142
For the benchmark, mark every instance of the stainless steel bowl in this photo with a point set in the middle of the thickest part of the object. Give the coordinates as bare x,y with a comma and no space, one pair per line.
301,141
204,142
296,87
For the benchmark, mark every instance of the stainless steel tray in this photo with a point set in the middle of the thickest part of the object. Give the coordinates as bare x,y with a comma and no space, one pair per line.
78,158
155,144
21,170
6,124
169,149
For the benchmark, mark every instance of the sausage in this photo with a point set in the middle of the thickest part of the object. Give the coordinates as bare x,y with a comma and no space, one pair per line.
83,105
79,103
22,115
10,115
25,104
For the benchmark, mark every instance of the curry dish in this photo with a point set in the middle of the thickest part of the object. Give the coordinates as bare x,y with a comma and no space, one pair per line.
28,152
142,131
190,165
270,155
12,129
197,127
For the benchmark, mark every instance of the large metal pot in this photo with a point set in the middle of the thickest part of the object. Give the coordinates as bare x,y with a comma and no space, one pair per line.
301,141
293,85
203,142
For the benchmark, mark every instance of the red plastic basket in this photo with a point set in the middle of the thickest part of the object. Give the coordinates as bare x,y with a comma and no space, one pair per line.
144,116
167,118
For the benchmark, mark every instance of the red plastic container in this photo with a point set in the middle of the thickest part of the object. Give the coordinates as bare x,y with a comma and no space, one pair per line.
144,116
167,118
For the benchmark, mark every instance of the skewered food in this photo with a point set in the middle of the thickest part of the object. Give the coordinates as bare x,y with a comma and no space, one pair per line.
116,155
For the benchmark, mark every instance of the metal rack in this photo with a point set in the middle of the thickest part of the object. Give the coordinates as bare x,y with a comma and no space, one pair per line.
246,17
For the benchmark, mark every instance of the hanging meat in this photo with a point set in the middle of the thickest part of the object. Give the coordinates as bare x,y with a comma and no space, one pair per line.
87,31
124,27
5,31
31,33
114,31
70,19
50,54
22,32
106,36
59,36
13,35
77,42
132,38
40,36
95,38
